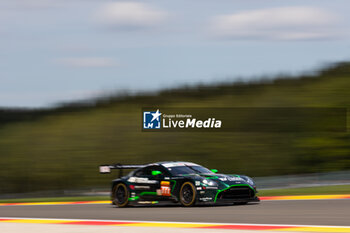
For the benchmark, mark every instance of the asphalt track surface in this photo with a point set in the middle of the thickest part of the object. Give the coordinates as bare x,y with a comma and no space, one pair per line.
304,212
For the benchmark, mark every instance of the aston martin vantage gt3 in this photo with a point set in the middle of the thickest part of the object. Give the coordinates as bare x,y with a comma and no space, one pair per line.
178,182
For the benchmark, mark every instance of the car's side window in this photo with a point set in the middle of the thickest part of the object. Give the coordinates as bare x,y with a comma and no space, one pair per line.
143,172
147,171
159,168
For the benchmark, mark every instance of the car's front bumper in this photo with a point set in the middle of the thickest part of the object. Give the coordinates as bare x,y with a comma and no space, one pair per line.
228,195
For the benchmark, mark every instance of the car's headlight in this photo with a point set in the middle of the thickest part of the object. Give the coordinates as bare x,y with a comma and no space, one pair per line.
249,180
209,182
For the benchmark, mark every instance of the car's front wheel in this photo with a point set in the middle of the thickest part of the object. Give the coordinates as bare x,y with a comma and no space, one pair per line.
121,195
188,194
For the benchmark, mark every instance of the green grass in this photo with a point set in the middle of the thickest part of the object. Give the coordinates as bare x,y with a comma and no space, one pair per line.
336,189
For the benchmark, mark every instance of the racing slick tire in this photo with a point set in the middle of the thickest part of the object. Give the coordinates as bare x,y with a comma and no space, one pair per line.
121,195
188,194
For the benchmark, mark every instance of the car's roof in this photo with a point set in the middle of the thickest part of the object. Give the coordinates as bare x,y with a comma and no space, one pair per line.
175,163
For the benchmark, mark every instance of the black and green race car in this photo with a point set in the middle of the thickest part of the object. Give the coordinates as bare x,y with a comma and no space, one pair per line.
178,182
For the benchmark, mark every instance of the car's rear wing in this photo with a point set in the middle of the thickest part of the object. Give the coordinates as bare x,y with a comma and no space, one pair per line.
106,169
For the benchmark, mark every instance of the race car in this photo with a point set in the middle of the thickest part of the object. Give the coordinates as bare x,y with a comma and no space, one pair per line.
178,182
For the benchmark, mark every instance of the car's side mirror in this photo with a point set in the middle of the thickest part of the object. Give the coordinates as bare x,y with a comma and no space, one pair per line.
156,173
214,170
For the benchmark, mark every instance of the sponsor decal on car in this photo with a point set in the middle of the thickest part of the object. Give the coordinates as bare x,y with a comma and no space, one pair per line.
142,187
164,183
141,180
230,178
165,188
234,178
165,191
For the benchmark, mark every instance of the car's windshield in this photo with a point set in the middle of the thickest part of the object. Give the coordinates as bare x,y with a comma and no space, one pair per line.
182,170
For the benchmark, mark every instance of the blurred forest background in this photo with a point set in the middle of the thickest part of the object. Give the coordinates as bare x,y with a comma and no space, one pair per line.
61,147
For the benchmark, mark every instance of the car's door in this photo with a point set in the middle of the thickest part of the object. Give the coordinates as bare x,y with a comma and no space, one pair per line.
150,184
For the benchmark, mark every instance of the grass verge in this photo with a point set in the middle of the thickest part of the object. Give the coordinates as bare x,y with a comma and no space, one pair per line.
319,190
56,199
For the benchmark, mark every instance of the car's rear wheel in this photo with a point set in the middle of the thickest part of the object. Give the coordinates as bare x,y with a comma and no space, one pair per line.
121,195
188,194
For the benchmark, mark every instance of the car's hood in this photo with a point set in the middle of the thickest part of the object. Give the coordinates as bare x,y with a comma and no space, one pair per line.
224,180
